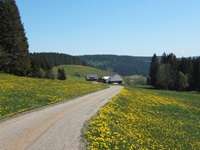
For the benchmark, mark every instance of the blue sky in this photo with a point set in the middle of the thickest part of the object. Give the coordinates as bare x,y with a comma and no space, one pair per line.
121,27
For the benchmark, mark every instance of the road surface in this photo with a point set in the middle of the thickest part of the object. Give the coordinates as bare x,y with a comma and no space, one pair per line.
56,127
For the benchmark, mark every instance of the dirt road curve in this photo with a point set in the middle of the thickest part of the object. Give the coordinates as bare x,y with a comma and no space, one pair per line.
56,127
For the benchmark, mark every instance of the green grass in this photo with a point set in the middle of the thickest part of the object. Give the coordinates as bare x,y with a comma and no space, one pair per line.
19,94
141,118
70,70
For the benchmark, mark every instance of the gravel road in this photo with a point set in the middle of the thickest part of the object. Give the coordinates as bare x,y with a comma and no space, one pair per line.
57,127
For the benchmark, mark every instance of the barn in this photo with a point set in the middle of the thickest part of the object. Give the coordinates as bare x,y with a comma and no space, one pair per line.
115,79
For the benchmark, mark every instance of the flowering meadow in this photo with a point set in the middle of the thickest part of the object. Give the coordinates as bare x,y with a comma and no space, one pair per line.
146,119
19,94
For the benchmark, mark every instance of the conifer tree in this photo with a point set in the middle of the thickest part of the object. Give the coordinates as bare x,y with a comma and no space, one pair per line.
61,74
164,58
154,67
185,65
196,74
15,56
172,60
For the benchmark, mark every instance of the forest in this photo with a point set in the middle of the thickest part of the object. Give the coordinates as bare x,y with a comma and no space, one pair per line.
171,73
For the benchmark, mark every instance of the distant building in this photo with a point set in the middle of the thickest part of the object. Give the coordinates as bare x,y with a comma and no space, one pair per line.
115,79
91,77
104,79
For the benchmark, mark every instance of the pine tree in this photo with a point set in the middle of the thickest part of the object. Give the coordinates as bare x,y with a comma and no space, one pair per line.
164,58
172,60
196,74
4,61
154,67
15,59
61,74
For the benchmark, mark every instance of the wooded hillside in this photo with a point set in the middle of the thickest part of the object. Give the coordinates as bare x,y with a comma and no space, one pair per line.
57,59
123,65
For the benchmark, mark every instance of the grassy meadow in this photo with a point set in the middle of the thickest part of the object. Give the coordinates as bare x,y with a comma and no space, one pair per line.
71,70
19,94
146,119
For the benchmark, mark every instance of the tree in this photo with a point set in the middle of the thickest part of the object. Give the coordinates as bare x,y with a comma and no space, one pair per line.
35,68
185,65
196,74
164,58
4,61
140,81
154,67
61,74
15,57
49,74
172,60
163,77
171,66
182,81
127,80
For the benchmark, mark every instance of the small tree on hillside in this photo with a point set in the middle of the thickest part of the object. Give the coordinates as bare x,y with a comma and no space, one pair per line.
61,74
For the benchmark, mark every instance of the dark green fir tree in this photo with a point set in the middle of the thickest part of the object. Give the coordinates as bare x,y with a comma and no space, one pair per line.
61,74
14,55
154,67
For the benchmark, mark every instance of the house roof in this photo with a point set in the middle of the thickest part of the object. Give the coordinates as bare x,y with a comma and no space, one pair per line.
105,77
115,78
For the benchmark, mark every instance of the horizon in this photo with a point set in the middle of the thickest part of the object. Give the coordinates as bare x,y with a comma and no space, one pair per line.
133,28
114,55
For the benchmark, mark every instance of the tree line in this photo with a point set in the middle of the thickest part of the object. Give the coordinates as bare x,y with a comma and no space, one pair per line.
171,73
57,59
14,54
42,63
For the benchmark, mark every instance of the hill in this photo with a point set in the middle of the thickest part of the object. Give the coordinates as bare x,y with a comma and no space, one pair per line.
74,70
123,65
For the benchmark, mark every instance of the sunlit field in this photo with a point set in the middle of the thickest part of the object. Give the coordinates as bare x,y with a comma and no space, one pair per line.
146,119
19,94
